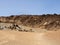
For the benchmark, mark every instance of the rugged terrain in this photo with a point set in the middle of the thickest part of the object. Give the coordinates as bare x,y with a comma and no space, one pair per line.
29,23
30,29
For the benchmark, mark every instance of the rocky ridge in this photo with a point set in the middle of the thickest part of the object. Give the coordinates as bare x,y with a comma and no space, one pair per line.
48,22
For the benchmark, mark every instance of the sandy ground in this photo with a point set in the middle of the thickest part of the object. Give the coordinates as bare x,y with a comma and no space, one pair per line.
29,38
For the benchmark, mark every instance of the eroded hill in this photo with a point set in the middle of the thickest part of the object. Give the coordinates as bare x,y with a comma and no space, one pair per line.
48,22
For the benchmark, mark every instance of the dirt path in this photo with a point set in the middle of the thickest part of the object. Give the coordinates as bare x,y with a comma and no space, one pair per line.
28,38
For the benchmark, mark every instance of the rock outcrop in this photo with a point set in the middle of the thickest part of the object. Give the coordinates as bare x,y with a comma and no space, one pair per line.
49,21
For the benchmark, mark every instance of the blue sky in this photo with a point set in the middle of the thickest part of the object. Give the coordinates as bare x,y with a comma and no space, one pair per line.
16,7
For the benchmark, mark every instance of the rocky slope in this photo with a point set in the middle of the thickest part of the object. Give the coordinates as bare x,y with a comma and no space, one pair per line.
48,21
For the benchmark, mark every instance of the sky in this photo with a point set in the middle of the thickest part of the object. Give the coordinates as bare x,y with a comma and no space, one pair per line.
17,7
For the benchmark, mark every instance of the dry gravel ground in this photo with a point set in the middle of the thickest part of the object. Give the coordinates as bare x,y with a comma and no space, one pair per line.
29,38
